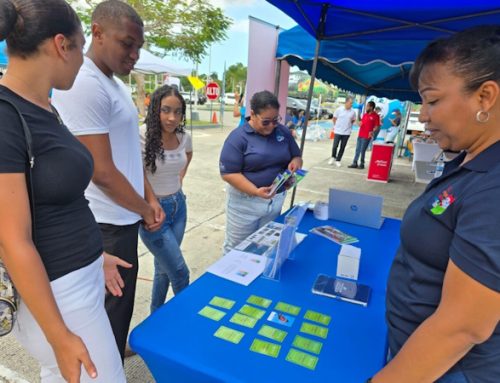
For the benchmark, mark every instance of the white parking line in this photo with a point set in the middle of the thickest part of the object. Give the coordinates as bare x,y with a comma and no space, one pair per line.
10,376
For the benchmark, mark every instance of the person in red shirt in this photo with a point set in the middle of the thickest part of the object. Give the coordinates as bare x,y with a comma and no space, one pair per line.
369,124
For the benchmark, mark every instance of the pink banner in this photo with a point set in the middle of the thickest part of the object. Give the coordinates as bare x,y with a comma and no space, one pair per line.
262,63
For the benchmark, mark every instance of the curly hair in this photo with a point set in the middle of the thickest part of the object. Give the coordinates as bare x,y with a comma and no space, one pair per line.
153,147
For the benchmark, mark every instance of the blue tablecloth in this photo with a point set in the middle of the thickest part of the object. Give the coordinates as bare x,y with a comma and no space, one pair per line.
178,345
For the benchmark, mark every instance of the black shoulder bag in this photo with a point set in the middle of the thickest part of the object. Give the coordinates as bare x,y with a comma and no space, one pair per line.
9,298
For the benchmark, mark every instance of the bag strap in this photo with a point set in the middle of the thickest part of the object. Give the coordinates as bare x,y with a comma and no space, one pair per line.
31,161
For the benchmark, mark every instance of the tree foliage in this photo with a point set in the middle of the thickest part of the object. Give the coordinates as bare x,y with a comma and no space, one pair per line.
184,27
236,76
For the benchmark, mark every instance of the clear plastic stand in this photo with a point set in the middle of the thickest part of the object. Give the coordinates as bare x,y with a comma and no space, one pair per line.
286,243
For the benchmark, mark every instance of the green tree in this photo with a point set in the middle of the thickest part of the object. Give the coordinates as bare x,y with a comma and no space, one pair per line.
236,77
183,27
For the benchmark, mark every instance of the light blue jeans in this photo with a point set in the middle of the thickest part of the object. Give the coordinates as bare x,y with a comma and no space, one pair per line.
164,244
245,214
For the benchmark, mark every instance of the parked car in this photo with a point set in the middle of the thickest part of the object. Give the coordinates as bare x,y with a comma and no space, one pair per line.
202,99
297,104
188,97
228,99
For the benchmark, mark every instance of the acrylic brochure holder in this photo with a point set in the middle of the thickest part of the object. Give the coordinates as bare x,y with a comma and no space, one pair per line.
286,243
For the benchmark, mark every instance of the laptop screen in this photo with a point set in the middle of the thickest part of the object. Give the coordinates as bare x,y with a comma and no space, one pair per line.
353,207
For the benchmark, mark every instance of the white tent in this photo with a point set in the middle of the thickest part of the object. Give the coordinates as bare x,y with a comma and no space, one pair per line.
149,63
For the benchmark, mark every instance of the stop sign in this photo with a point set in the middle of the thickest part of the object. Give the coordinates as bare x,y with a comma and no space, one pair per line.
213,91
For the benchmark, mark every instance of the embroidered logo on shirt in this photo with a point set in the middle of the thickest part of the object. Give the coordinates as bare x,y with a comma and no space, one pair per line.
280,137
443,201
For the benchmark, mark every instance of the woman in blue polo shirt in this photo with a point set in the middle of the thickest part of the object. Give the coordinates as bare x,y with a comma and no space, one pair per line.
443,295
251,158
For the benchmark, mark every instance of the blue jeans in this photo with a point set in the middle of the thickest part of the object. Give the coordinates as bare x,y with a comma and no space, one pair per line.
245,214
164,244
361,146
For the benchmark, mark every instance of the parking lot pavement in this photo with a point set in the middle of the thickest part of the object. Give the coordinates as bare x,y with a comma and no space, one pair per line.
206,221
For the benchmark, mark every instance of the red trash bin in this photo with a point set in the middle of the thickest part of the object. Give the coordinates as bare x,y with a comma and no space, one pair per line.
380,162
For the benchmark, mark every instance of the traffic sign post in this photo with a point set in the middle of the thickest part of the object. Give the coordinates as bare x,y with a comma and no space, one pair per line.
213,91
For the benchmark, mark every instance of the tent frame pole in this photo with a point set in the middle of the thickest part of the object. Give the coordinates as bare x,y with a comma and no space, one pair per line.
311,87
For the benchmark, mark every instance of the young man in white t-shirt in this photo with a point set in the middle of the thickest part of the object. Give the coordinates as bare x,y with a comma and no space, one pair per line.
343,118
99,110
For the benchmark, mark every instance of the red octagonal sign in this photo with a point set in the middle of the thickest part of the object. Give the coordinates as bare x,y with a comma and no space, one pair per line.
213,91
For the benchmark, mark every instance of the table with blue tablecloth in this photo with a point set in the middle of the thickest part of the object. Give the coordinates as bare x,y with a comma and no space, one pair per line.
178,345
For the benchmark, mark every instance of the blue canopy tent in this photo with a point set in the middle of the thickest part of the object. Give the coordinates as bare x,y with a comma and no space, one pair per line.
383,21
388,20
354,65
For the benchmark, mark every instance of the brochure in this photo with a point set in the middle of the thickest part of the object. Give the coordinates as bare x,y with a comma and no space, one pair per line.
264,241
287,179
342,289
238,267
334,235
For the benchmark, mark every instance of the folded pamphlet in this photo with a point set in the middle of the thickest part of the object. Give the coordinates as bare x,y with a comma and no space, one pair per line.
287,179
334,235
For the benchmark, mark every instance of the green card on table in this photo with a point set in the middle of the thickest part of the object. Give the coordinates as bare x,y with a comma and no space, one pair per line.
302,359
243,320
229,334
315,330
259,301
253,312
222,302
272,333
315,316
307,344
265,348
211,313
287,308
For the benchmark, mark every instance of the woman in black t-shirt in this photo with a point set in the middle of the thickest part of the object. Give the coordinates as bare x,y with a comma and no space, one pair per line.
56,265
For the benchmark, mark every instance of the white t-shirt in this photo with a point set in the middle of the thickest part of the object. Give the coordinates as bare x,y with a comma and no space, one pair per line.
345,118
97,104
166,179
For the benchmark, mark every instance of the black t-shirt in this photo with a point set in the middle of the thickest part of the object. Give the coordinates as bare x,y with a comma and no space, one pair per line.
457,218
67,236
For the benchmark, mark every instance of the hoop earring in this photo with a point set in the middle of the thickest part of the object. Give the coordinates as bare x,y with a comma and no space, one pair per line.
482,116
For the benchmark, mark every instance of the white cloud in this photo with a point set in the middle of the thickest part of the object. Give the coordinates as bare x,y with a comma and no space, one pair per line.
231,3
239,26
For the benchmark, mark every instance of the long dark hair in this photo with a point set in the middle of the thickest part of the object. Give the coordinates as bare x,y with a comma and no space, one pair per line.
153,147
26,24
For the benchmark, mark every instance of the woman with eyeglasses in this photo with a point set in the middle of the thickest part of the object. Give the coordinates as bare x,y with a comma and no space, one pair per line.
168,151
251,158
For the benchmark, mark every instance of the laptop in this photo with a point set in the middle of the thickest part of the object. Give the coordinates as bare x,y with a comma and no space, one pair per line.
358,208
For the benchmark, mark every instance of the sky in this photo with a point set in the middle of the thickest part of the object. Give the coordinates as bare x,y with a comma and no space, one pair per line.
235,48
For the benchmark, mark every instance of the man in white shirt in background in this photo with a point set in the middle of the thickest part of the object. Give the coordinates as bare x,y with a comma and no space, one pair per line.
99,110
343,118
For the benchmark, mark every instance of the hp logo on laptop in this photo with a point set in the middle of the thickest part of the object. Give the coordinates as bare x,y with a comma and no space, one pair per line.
354,207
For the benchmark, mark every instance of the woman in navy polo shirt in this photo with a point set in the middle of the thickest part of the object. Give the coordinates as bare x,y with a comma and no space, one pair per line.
443,296
252,156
